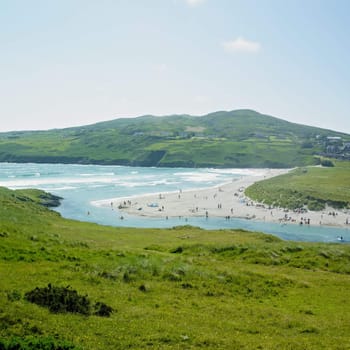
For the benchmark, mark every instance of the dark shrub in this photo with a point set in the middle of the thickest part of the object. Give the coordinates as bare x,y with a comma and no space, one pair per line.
33,343
143,288
59,299
177,250
315,205
65,299
327,163
101,309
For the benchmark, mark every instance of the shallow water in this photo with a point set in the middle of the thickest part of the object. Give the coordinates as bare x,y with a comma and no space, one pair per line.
79,185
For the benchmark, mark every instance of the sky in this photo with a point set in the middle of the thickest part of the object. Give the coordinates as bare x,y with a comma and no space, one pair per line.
76,62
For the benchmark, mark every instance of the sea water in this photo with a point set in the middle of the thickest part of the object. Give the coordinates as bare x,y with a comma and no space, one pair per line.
81,185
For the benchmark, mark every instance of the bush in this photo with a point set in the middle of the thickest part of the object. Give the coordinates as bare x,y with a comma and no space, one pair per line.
13,295
101,309
65,299
307,144
59,299
315,205
32,343
177,250
327,163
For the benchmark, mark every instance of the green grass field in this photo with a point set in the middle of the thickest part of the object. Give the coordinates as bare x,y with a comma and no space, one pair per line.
181,288
314,187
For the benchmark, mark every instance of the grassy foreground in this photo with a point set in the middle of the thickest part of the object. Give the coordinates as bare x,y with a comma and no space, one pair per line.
314,187
181,288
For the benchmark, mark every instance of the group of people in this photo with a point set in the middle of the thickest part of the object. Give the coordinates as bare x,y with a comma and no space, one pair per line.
305,221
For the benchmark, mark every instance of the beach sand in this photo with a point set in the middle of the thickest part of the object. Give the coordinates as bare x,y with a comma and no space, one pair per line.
227,201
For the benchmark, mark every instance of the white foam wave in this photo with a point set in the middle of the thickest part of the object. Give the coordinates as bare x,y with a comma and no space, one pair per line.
63,188
161,182
128,184
216,173
46,181
200,177
98,174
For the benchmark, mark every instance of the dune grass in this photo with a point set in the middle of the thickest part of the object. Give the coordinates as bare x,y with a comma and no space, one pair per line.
314,187
180,288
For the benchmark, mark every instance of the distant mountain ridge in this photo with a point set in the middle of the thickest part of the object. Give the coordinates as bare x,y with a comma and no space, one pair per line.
240,138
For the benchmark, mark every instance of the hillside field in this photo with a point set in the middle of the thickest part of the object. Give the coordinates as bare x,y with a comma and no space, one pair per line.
235,139
180,288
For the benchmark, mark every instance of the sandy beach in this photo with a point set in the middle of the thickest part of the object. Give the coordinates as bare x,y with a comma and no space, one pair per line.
227,201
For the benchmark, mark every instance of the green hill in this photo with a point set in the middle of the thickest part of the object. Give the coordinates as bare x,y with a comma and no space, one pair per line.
180,288
241,138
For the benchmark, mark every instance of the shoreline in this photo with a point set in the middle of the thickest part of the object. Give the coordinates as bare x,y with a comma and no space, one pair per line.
225,201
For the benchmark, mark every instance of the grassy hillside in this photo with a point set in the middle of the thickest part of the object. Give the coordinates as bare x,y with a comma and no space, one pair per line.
181,288
240,138
314,187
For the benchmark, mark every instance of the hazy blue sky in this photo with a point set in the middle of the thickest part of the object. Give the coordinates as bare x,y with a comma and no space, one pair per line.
74,62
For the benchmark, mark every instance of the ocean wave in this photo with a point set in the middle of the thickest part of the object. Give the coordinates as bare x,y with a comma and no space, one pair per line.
59,181
245,172
199,177
162,182
128,184
96,174
63,188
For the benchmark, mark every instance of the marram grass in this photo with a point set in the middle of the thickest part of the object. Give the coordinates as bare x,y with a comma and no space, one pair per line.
313,187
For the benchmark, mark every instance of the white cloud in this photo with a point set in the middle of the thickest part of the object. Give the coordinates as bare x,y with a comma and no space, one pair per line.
194,3
241,45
